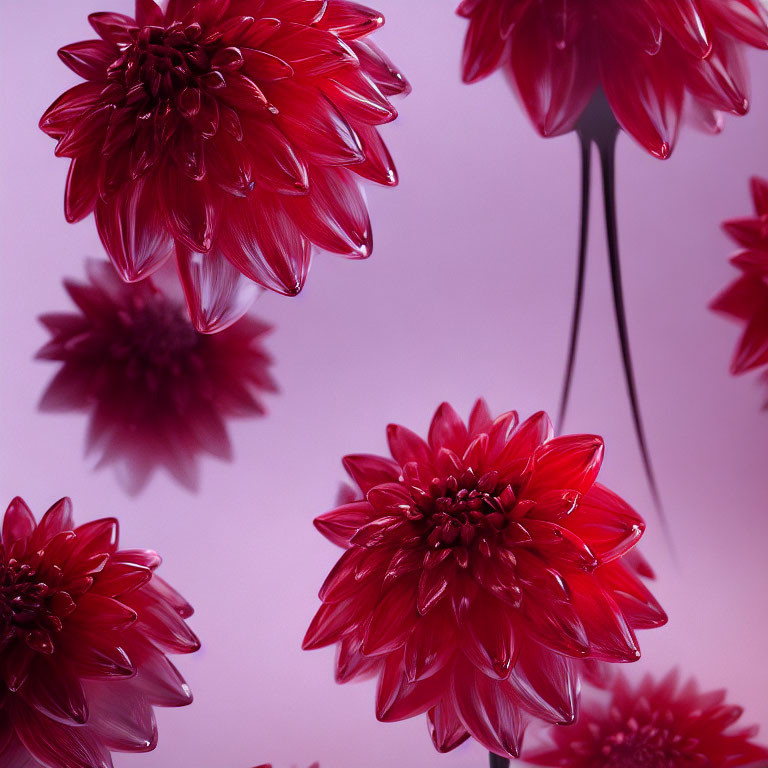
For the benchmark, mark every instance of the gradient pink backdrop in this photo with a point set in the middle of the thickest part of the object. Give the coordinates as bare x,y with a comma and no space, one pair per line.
468,293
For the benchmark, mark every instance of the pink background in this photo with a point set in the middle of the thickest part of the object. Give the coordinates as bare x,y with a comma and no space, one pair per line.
468,293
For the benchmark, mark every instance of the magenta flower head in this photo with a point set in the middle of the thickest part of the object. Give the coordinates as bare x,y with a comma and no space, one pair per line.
746,299
656,724
656,60
84,632
158,393
229,133
481,569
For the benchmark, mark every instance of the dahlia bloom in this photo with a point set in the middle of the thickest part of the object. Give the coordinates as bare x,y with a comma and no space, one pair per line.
230,133
84,632
479,568
654,59
158,392
746,299
657,724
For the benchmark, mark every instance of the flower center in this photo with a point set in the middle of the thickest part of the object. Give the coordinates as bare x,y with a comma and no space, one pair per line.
156,336
458,508
647,746
162,61
26,608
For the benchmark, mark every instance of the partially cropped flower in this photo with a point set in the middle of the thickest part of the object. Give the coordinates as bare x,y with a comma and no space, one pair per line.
657,724
656,60
269,765
84,632
746,299
480,567
231,133
158,393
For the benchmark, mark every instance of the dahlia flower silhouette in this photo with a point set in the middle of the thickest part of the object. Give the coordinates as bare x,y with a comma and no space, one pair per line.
158,393
594,66
656,724
231,134
482,568
746,299
84,632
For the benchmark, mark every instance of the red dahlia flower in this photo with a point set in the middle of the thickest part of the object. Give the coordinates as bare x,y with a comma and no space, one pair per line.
157,391
747,298
228,132
654,725
649,56
84,632
479,567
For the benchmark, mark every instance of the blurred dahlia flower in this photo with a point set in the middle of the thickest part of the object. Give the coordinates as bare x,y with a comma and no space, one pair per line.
746,299
157,391
230,133
480,567
654,59
84,632
269,765
657,724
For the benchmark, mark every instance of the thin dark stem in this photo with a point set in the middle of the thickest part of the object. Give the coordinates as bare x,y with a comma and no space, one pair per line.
497,761
607,148
578,302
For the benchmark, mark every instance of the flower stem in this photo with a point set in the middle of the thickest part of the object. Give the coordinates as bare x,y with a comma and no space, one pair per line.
497,761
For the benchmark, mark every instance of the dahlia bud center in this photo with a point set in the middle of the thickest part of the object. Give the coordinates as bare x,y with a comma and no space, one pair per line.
636,746
24,607
459,509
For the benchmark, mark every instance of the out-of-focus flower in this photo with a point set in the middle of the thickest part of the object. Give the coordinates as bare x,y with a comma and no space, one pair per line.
84,632
480,567
231,133
269,765
746,299
655,59
157,391
657,724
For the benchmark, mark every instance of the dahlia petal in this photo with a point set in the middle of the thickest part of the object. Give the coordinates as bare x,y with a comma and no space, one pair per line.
164,594
161,683
368,470
165,628
378,165
721,79
489,638
275,164
380,69
351,664
555,82
610,637
547,684
133,232
264,243
746,20
333,621
124,721
81,190
405,445
559,545
86,135
748,232
645,97
742,299
752,351
605,522
98,658
392,620
480,419
637,604
431,646
119,579
57,694
524,441
689,28
340,524
89,59
398,699
69,108
445,728
310,51
759,190
148,13
315,125
59,745
488,710
18,522
104,613
447,430
265,67
57,519
350,20
559,628
217,294
570,463
484,46
333,215
434,585
190,213
97,537
359,98
340,584
112,27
